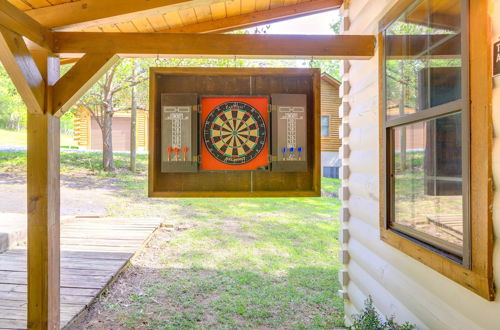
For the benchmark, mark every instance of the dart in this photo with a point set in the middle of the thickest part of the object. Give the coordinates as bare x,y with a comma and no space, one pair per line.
169,150
176,153
284,152
184,150
300,153
292,149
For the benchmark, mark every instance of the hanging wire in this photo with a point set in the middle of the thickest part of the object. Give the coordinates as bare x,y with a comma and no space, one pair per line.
157,61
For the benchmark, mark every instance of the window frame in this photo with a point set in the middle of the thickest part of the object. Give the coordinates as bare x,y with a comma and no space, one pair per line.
461,106
475,272
328,126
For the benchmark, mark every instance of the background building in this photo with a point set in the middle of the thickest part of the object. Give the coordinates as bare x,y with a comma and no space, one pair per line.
88,134
330,122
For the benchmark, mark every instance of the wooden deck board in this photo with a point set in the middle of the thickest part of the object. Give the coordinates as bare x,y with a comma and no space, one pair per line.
93,251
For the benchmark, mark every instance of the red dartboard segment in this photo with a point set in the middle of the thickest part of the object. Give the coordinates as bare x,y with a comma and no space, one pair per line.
234,133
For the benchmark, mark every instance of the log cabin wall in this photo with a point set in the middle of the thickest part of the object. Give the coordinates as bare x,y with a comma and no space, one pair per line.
398,284
330,103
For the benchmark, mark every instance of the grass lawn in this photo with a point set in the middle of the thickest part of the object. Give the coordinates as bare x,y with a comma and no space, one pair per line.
227,263
18,138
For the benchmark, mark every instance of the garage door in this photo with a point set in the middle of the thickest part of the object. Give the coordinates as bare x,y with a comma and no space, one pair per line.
121,134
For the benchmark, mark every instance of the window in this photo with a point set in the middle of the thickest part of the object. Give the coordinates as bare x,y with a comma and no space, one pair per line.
436,137
426,123
325,126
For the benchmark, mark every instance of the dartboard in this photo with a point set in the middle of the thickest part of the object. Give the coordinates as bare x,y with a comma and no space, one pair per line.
234,133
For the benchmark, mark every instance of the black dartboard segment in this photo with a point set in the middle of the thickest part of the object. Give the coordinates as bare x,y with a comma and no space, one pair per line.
234,133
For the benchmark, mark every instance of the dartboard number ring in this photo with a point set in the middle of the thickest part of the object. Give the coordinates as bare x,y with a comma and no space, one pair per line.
234,133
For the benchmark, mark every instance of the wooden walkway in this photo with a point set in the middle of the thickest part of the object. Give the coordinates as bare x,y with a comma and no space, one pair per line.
93,252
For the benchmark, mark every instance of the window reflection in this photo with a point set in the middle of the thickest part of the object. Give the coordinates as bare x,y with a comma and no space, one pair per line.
423,58
427,176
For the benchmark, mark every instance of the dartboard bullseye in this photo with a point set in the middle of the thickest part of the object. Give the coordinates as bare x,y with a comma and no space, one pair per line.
234,133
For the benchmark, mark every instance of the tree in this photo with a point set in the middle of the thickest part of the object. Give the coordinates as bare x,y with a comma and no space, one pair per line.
106,97
133,118
12,108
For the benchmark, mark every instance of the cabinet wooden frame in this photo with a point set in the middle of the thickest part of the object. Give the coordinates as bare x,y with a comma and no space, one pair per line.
157,179
479,278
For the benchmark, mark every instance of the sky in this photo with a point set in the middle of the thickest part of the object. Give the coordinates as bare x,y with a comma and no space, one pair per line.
313,24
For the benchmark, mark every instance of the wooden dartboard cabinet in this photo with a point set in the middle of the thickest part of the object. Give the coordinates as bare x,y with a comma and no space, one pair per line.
258,159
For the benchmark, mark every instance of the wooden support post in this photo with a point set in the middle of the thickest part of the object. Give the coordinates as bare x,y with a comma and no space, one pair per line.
44,207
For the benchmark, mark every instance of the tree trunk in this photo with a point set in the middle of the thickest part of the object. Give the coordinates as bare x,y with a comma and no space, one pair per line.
107,141
133,121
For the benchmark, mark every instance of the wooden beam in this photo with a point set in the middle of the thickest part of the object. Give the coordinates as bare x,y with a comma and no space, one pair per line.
43,209
259,17
242,45
78,15
23,71
70,60
17,21
79,79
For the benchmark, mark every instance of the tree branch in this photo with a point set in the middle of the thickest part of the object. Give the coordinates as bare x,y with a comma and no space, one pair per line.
132,84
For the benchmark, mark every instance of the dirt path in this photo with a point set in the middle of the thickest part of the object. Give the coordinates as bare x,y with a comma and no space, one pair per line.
80,195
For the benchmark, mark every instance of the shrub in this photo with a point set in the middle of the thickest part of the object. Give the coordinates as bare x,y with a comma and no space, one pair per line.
369,319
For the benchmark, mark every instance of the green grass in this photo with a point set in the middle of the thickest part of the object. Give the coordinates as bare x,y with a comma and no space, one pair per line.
231,263
76,162
18,138
247,263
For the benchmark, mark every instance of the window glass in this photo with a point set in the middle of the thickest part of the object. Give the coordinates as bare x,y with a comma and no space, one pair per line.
423,58
325,126
427,174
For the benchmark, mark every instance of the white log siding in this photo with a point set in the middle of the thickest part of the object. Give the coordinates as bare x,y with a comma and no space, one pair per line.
399,285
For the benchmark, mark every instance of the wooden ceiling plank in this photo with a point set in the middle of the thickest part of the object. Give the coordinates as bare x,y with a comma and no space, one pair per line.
218,10
173,19
93,29
243,45
125,27
259,18
39,3
262,4
158,22
21,67
81,14
110,28
142,24
58,2
17,21
247,6
20,4
188,16
233,7
203,14
77,81
277,3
